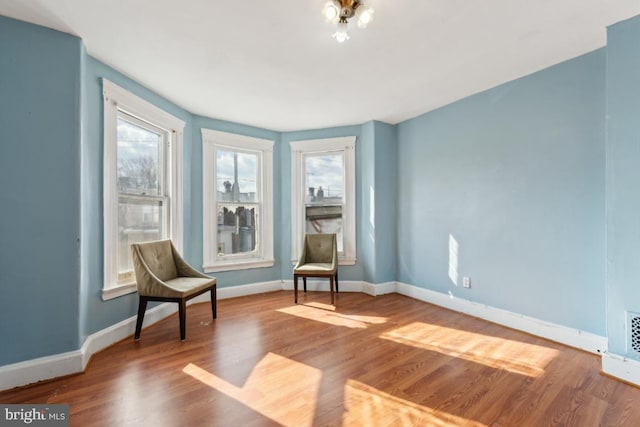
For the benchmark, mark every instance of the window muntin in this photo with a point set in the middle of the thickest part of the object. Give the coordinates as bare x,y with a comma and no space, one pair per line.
237,205
142,181
330,164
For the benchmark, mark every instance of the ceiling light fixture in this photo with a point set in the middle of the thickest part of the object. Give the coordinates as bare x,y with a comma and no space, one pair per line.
340,11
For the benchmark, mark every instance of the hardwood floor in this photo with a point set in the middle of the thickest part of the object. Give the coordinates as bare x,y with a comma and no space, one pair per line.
373,361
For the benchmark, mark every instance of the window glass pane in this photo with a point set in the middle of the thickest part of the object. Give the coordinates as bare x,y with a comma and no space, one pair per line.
325,186
236,229
236,176
139,157
325,219
139,220
324,180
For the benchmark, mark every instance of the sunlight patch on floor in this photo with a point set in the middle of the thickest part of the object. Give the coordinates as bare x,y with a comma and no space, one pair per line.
368,406
319,305
261,390
513,356
355,321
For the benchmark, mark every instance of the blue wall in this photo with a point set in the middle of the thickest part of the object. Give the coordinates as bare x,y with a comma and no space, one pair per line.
623,178
516,176
377,189
40,196
366,242
385,192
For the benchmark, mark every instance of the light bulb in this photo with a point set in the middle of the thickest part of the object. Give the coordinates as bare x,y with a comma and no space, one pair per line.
365,18
330,11
342,33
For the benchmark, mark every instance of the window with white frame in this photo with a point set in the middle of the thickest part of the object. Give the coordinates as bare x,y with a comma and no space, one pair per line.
237,201
323,193
142,182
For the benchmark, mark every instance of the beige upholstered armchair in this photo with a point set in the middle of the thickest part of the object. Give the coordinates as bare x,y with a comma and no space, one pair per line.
162,275
319,258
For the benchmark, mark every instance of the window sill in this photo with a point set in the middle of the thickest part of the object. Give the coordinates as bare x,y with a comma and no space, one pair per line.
238,265
118,291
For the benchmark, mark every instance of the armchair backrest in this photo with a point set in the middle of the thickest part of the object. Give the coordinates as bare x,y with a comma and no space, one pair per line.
320,248
157,257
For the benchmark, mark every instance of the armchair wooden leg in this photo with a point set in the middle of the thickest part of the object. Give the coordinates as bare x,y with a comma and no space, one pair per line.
182,313
214,302
331,288
295,288
142,307
337,281
304,281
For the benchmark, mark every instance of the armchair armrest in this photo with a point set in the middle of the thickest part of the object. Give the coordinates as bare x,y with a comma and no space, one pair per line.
183,268
303,257
146,281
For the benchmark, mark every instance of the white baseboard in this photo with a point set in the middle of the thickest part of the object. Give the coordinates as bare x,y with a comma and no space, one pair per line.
42,368
48,367
344,286
73,362
314,285
572,337
379,289
252,289
627,370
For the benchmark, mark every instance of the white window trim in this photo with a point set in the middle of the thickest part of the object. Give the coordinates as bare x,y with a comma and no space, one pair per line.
116,98
347,145
212,139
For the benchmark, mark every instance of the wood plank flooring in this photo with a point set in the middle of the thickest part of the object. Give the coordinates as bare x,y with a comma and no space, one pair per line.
372,361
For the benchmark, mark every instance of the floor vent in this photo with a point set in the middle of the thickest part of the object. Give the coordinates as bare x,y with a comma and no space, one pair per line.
633,332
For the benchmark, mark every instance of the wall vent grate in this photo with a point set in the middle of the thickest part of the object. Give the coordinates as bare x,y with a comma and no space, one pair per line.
633,332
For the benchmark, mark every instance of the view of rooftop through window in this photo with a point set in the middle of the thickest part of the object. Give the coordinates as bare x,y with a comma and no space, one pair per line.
237,196
324,201
324,177
236,175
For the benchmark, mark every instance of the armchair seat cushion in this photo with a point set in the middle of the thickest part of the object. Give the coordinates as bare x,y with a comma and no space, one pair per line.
315,267
182,287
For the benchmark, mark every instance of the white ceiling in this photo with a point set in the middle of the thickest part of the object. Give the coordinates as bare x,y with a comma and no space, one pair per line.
273,64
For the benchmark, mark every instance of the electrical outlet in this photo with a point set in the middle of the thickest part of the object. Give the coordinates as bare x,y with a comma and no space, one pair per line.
466,282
